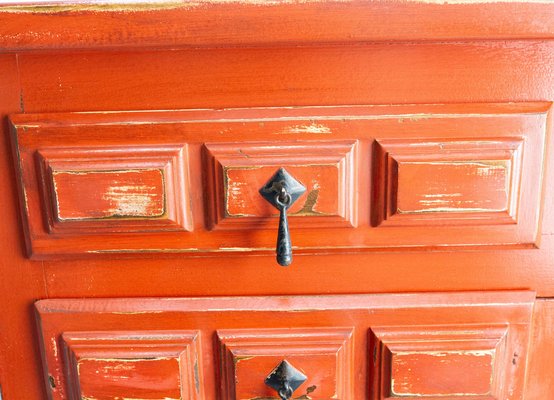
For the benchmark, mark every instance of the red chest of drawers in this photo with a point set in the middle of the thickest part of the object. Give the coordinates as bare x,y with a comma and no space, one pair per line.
138,249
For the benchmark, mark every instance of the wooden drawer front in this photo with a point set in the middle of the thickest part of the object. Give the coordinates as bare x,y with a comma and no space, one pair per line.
349,347
376,177
138,365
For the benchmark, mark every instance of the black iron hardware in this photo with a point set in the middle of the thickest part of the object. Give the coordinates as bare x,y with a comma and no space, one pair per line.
285,379
282,190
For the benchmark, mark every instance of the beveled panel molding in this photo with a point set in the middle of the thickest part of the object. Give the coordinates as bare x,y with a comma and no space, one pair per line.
149,365
238,170
323,355
449,181
442,361
115,189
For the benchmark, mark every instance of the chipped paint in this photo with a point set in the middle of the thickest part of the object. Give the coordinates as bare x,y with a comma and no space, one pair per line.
261,250
439,353
310,389
451,210
127,201
465,201
311,128
309,205
443,355
134,313
238,359
45,6
447,2
54,347
133,201
319,118
182,250
442,195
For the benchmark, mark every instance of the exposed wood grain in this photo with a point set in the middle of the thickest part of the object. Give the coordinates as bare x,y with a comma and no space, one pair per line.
327,168
112,194
114,188
459,181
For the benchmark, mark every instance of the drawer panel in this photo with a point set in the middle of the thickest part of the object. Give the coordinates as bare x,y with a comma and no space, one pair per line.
377,178
323,355
435,361
349,347
137,364
327,170
115,189
452,181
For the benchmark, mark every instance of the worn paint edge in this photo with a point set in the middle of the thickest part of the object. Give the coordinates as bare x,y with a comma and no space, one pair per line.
50,7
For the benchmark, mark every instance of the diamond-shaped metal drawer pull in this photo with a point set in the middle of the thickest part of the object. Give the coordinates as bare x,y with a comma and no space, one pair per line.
285,379
282,190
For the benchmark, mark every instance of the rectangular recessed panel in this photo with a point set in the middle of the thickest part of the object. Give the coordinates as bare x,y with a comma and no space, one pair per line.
109,194
458,186
441,373
147,379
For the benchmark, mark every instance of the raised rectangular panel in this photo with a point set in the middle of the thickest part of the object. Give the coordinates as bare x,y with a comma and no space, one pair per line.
326,168
442,361
139,365
449,181
115,189
324,355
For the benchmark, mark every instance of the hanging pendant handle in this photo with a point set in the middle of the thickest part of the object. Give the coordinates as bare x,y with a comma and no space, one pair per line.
282,190
284,245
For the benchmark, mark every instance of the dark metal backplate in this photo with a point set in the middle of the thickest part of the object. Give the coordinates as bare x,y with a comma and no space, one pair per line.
281,179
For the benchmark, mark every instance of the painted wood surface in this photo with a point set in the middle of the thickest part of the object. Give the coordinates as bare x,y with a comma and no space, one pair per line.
470,361
137,364
451,181
333,154
540,379
329,338
327,168
324,355
93,24
287,55
21,279
112,194
114,188
373,73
